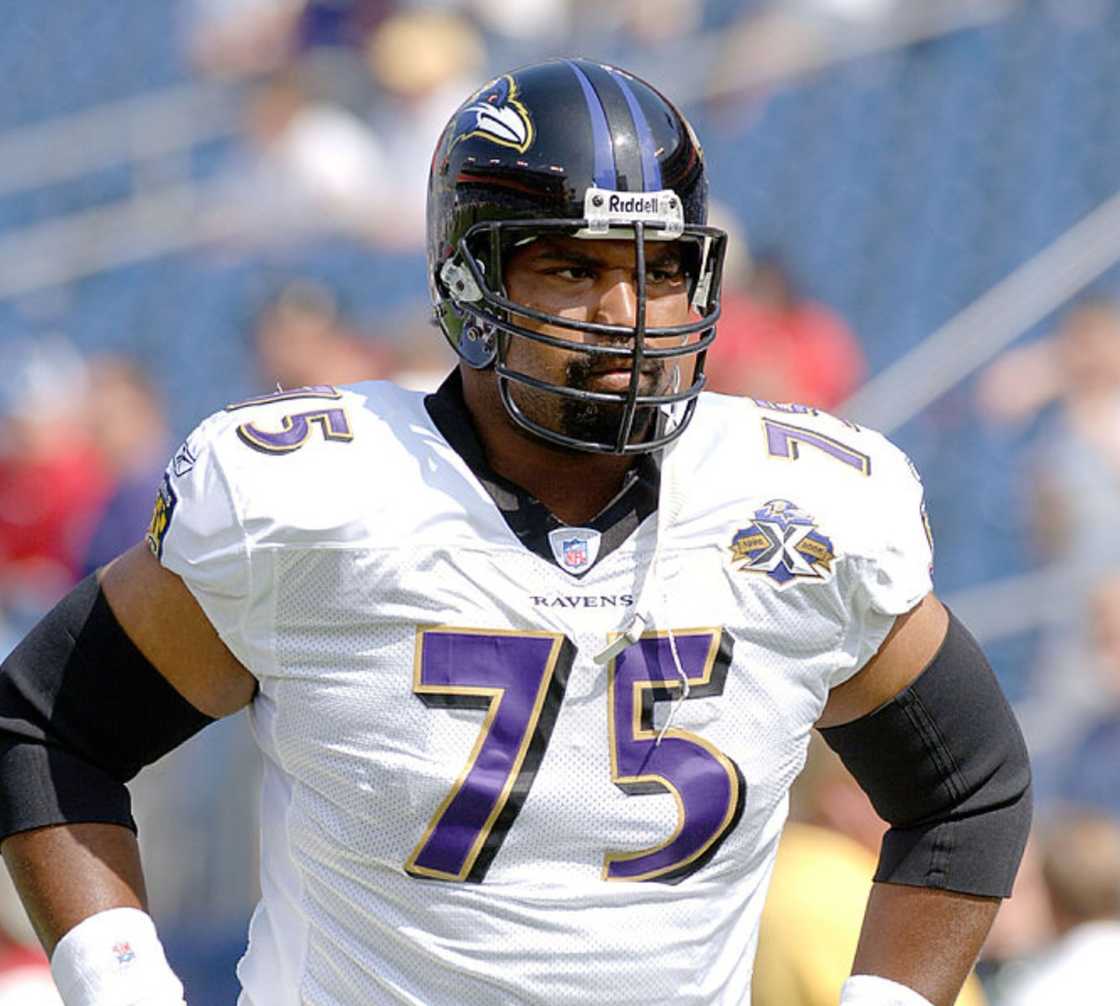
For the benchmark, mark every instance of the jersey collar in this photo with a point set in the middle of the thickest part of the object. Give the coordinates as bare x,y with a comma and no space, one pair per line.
527,517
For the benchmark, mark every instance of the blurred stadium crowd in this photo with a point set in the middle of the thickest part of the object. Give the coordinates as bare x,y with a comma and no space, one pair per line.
205,199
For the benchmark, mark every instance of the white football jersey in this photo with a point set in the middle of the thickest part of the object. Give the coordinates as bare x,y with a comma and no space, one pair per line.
461,806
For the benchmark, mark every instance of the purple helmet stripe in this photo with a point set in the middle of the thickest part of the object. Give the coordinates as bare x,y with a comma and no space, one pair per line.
651,168
605,176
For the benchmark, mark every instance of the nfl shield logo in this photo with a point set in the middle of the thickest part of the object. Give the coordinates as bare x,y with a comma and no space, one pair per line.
575,549
575,552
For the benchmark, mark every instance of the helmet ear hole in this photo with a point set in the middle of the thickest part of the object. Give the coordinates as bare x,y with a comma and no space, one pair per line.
476,331
478,345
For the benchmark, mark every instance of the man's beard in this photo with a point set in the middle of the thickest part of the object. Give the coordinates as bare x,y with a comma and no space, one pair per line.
600,422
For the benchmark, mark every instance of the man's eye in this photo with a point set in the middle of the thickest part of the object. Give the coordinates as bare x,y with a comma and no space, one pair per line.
573,272
660,276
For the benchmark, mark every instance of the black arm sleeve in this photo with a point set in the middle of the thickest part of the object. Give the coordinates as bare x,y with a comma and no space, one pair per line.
944,763
81,712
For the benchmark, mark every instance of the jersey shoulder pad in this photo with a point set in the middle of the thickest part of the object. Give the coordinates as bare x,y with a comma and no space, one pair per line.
793,432
831,450
286,422
270,477
854,485
845,461
307,462
764,436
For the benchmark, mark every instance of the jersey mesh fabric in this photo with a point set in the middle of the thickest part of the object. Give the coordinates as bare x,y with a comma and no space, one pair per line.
371,763
342,578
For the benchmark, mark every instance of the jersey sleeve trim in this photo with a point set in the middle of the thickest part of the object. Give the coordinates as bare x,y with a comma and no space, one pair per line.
867,634
248,551
232,631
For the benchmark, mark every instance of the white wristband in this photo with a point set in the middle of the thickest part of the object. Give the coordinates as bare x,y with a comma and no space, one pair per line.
114,958
871,990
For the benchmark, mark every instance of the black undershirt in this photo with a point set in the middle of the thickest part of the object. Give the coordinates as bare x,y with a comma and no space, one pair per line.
528,518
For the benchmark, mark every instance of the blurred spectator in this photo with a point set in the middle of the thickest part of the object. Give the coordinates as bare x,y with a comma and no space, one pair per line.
25,975
647,24
330,43
423,61
421,357
254,38
340,23
852,10
1080,363
241,38
1074,497
526,21
1023,926
765,45
1077,479
301,339
133,440
822,878
308,167
53,482
737,261
776,345
1081,868
25,978
1089,774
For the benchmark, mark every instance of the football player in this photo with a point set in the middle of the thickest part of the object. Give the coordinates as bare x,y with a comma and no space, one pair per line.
531,661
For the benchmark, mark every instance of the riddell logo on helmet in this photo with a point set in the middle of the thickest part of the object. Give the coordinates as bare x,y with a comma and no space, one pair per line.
606,209
632,204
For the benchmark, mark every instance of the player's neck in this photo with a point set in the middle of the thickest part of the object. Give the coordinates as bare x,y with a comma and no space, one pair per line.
575,486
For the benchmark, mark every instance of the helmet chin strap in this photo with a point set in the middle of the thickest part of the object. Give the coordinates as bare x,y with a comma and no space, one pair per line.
684,684
669,509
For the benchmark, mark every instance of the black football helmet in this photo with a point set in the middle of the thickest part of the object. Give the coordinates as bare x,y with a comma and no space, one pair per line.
576,148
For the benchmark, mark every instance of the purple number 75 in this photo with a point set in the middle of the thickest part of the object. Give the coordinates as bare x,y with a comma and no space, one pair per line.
519,678
295,431
708,786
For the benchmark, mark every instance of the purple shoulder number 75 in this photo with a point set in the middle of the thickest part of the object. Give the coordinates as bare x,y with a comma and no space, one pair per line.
518,679
295,427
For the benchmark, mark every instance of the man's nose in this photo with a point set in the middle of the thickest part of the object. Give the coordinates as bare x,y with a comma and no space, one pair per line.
618,302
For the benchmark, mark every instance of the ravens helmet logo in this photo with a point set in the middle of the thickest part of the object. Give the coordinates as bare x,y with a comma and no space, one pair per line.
498,116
